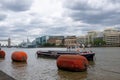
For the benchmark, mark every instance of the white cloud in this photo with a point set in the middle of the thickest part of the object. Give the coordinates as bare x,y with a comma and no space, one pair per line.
47,8
20,19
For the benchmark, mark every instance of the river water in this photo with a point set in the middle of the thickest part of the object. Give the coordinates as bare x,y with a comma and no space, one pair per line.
106,66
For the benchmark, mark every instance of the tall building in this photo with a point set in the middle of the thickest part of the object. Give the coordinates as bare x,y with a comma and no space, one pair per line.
52,39
91,36
9,42
41,40
47,39
59,42
112,37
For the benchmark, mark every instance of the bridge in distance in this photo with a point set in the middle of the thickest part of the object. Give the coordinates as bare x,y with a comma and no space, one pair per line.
6,40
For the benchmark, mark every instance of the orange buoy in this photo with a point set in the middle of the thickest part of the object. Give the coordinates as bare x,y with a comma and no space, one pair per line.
72,62
2,54
19,56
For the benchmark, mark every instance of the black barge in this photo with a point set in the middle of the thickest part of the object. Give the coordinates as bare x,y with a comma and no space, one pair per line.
55,54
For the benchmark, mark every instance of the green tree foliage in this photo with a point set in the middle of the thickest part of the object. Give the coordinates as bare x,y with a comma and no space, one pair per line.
48,45
99,42
61,45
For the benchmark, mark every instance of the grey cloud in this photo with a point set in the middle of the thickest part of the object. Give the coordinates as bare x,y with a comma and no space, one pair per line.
88,29
102,18
77,5
82,11
18,30
115,1
118,27
2,17
4,33
12,32
56,30
16,5
24,29
37,23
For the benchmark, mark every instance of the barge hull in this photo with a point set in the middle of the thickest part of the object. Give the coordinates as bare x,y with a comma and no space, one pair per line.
56,54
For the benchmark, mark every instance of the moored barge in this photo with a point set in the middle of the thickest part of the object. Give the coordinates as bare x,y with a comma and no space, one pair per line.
55,54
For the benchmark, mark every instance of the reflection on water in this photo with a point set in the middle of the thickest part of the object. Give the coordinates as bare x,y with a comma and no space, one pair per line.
65,75
1,59
106,66
19,68
18,64
92,63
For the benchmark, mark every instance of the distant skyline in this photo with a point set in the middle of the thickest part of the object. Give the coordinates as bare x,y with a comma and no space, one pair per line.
22,19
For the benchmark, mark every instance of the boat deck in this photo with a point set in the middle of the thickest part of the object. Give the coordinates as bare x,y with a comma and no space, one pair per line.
56,54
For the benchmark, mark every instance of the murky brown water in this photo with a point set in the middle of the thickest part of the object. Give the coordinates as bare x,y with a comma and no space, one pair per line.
105,67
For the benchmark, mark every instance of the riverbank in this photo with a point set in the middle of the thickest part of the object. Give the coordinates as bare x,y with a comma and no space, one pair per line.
4,76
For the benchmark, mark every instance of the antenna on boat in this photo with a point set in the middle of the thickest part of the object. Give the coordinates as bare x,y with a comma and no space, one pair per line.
68,47
83,46
77,47
0,46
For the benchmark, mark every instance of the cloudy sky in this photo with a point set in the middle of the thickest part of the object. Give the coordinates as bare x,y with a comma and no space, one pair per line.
20,19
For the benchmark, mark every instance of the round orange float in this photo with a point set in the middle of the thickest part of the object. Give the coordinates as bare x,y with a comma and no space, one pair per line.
72,62
19,56
2,54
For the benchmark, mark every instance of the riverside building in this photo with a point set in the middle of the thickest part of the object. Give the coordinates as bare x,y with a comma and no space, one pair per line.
112,37
70,41
91,36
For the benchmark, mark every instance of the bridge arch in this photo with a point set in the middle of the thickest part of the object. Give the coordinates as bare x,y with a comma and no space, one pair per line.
6,40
